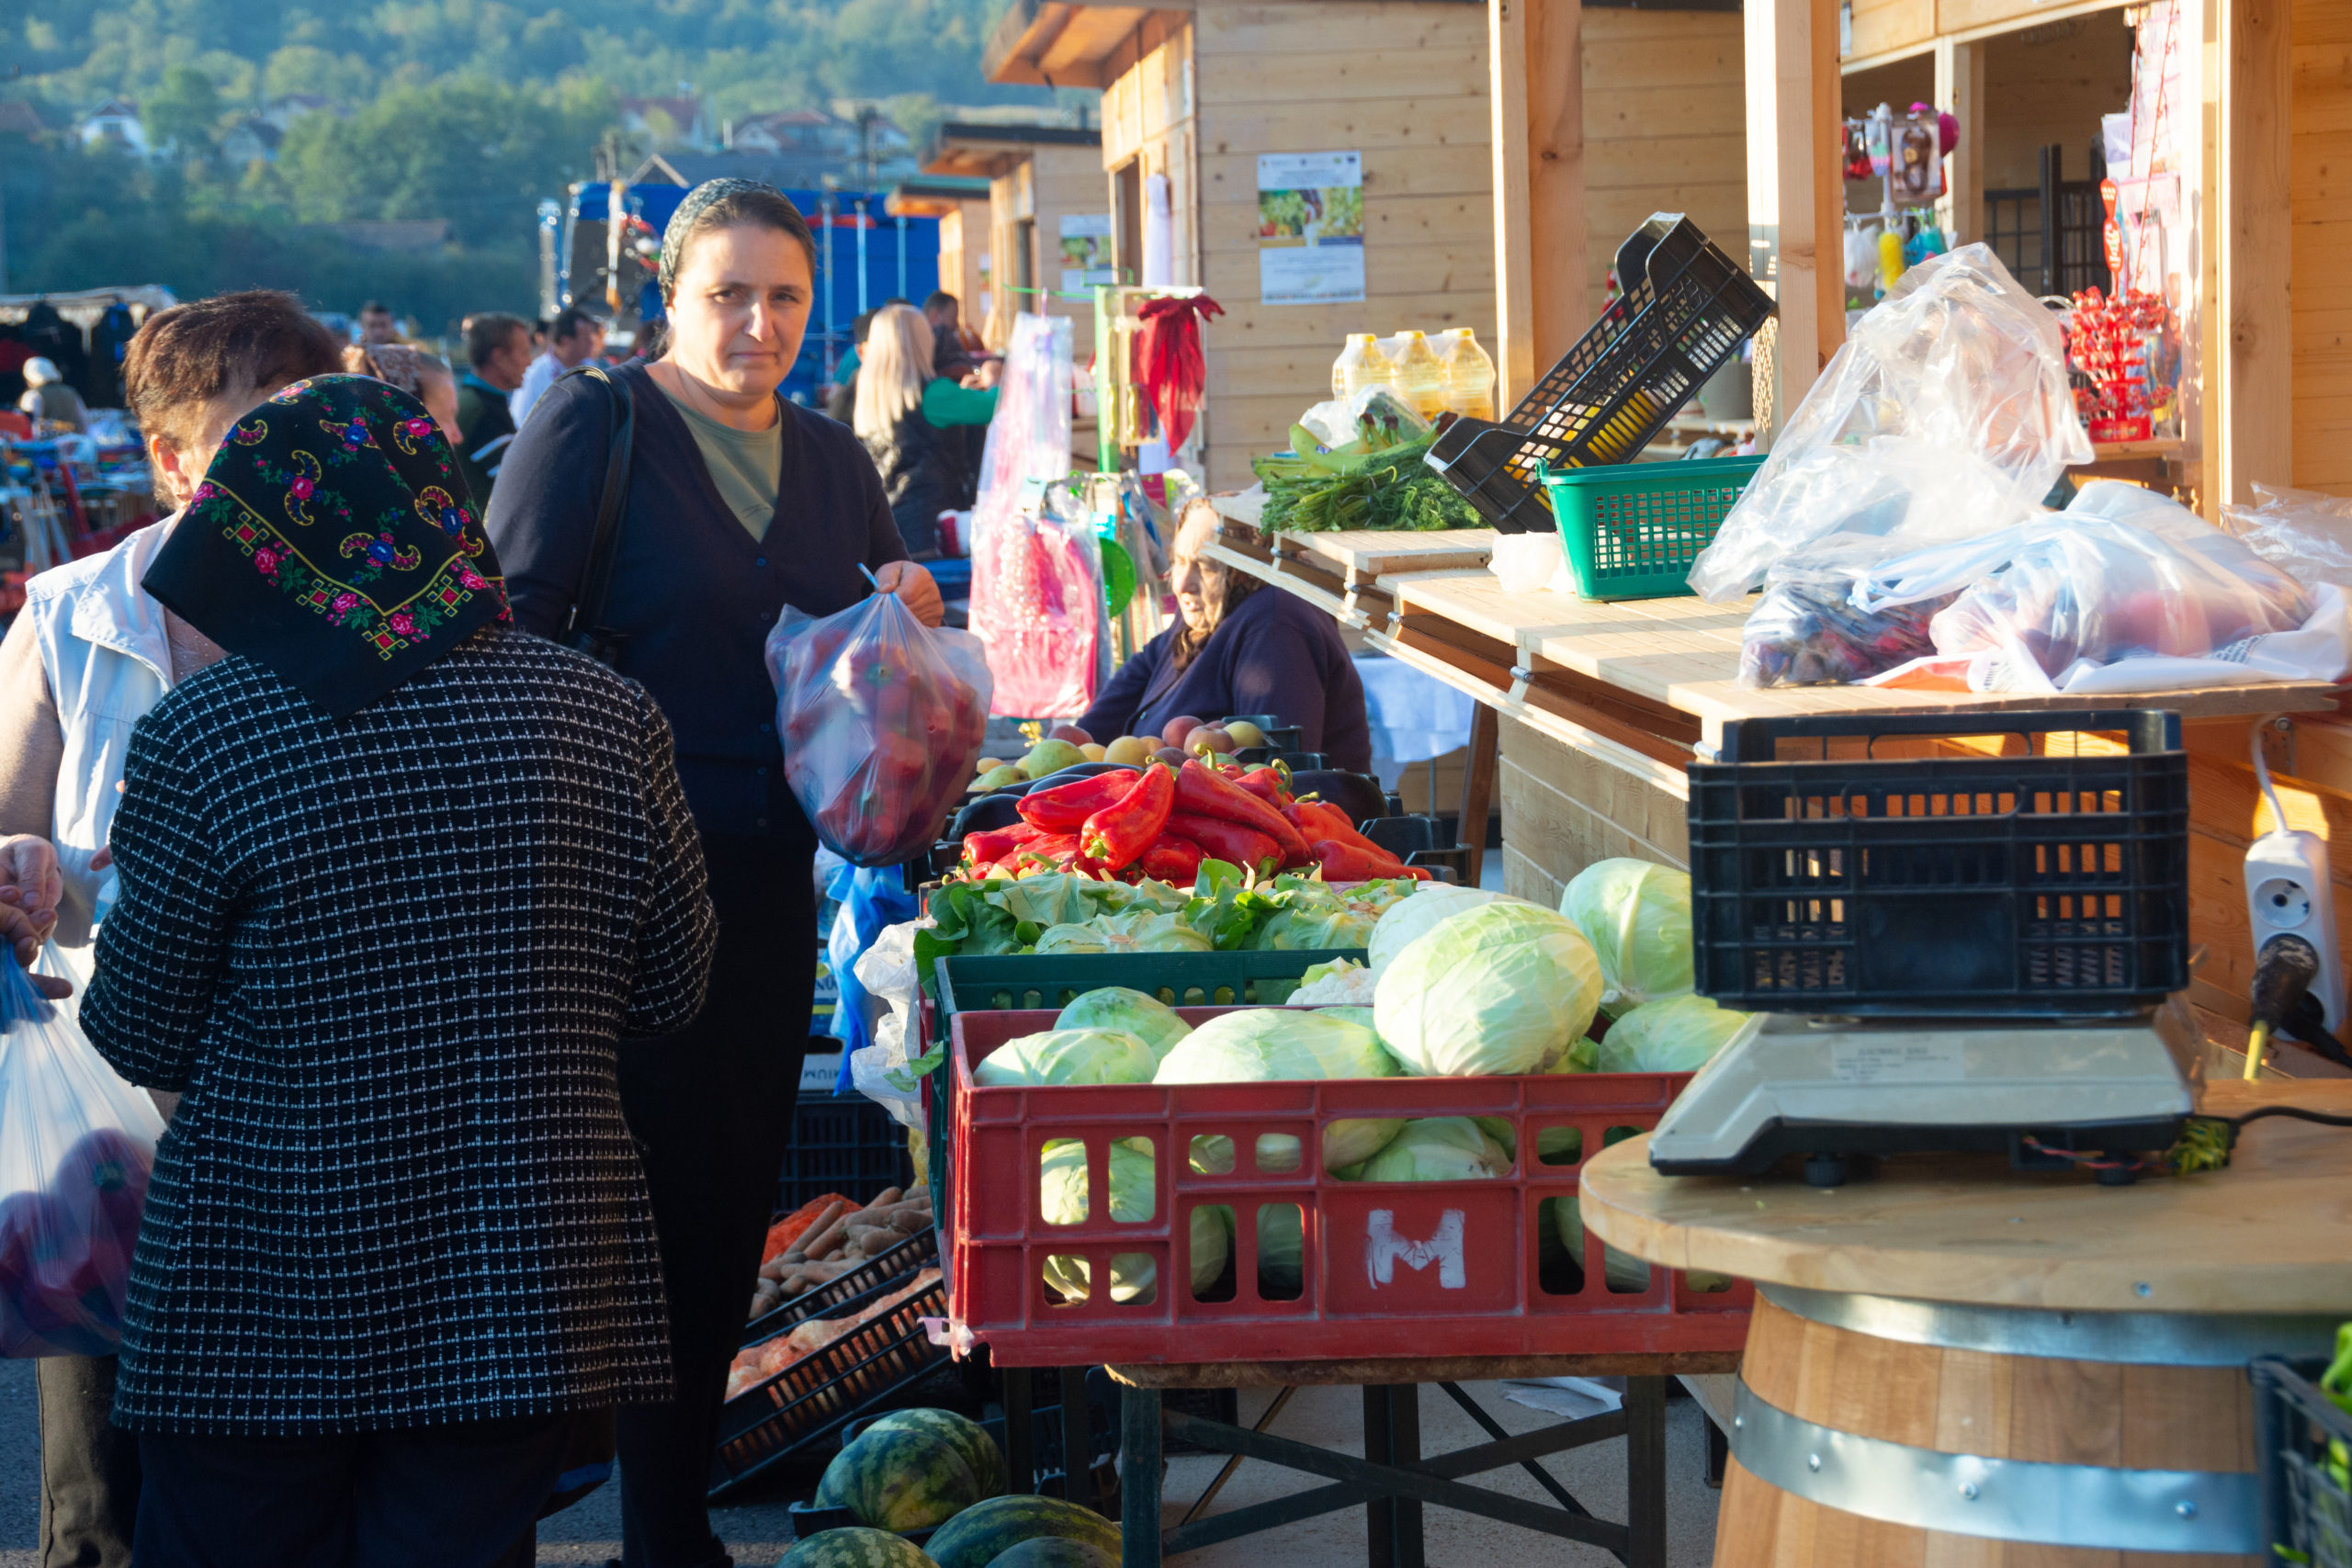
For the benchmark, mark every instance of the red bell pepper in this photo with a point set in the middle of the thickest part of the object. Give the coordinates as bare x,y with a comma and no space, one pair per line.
1065,808
984,849
1115,835
1351,863
1208,793
1266,784
1173,860
1321,819
1245,846
1057,851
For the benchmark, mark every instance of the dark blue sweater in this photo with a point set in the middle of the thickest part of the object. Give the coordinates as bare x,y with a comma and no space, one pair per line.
1274,654
693,591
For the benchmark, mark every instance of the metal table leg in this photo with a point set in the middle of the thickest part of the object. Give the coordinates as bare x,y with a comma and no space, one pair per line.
1078,1440
1392,1435
1141,1474
1020,1430
1645,1472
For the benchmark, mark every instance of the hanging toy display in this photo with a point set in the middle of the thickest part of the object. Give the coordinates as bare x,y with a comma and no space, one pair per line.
1904,156
2107,350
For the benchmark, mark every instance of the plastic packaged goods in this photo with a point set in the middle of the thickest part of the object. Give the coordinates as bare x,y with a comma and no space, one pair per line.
881,718
1361,364
76,1147
1806,631
1469,373
2302,532
1946,417
1419,375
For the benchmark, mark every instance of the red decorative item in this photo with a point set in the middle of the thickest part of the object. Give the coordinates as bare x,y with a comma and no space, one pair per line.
1167,368
2106,355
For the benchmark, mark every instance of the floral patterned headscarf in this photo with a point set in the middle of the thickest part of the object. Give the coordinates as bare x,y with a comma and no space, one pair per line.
335,540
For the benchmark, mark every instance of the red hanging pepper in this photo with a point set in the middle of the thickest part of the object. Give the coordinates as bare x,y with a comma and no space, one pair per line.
1208,793
1065,808
1266,784
989,846
1115,835
1174,861
1245,846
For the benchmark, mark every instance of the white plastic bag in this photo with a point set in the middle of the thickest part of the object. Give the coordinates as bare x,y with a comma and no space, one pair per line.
880,1071
881,718
1945,416
2302,532
76,1147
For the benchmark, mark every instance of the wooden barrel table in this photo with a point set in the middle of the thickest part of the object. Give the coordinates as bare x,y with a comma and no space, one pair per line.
1953,1365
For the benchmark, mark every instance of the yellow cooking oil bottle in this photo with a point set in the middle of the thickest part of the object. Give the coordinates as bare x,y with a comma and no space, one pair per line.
1361,364
1469,373
1419,378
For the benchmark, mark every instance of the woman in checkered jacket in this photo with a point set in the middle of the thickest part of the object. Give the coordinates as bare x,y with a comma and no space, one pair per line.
395,879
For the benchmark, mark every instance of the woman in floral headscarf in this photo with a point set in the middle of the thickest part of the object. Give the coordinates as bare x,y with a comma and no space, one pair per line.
395,879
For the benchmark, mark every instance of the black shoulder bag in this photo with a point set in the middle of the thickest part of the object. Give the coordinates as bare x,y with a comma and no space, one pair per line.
584,627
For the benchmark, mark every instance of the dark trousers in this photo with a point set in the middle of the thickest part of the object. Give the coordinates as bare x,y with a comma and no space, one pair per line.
711,1109
89,1470
457,1497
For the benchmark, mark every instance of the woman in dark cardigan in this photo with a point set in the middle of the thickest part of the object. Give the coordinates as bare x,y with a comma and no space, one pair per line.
395,879
739,503
1234,650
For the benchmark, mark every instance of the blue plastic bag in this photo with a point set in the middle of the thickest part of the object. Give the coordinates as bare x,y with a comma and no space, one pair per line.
871,898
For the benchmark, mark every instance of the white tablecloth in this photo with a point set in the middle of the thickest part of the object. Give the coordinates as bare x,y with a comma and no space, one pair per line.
1414,717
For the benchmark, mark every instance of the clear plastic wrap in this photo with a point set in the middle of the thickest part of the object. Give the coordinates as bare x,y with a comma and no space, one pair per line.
1945,416
882,718
1807,631
76,1147
2304,533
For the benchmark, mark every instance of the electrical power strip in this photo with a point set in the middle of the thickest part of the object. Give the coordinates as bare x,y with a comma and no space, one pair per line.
2287,890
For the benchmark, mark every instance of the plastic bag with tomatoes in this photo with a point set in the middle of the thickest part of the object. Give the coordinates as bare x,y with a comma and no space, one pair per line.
882,718
76,1147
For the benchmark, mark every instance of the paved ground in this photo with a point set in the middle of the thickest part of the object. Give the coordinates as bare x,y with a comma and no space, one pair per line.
759,1531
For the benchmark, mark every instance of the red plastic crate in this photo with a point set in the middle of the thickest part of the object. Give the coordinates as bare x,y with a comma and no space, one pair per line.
1392,1269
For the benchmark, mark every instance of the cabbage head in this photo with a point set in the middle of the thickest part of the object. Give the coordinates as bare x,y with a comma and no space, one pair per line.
1282,1250
1272,1046
1061,1189
1680,1034
1625,1273
1135,931
1439,1148
1637,914
1067,1057
1306,928
1409,918
1499,987
1362,1015
1146,1016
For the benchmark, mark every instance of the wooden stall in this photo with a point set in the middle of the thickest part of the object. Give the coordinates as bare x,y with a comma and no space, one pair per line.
1038,176
961,205
1195,96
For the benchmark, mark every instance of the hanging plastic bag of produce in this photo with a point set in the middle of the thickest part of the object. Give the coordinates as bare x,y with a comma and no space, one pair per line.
882,718
76,1146
1946,415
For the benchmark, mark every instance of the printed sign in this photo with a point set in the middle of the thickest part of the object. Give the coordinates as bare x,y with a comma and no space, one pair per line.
1927,1058
1310,228
1086,251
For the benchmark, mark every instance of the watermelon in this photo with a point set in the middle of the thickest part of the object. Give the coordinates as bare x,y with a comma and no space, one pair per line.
899,1480
985,1532
968,1437
856,1547
1053,1552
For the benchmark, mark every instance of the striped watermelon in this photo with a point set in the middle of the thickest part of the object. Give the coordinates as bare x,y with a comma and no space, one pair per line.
969,1438
985,1532
1054,1552
899,1480
856,1547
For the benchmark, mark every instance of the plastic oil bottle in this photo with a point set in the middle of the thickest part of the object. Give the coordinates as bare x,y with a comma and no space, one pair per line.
1361,364
1421,379
1469,375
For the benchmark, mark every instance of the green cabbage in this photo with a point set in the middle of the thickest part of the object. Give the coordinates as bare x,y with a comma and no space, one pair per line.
1067,1057
1282,1250
1302,929
1626,1274
1135,931
1637,914
1362,1015
1409,918
1061,1190
1146,1016
1439,1148
1270,1045
1501,987
1680,1034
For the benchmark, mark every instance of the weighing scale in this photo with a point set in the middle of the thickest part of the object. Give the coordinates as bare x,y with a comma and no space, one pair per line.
2050,1094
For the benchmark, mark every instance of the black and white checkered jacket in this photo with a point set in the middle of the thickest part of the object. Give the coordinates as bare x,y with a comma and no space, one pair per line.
387,959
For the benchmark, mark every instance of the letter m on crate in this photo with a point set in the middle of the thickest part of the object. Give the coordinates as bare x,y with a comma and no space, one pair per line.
1384,1249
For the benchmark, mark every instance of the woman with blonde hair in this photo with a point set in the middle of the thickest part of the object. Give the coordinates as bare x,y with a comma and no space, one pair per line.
911,420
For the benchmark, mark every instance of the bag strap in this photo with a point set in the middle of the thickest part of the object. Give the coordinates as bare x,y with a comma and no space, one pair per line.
581,630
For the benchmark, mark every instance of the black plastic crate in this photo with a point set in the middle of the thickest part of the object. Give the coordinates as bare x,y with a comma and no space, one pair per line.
920,1250
1686,309
845,1144
2027,886
2304,1442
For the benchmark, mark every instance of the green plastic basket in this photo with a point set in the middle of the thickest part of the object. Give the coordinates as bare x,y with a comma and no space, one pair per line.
1631,530
1029,980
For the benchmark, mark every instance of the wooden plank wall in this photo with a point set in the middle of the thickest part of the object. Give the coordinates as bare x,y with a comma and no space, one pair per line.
1052,181
1147,119
1404,83
1564,809
1666,130
964,262
2322,181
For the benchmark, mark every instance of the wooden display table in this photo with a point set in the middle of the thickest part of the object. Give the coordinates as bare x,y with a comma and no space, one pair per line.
1953,1362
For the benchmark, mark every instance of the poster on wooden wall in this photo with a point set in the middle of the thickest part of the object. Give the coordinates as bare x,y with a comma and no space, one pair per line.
1310,228
1086,251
